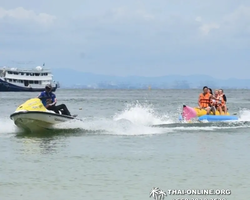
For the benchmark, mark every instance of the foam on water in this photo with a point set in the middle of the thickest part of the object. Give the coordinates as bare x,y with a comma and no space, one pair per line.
7,126
244,115
109,126
137,119
143,115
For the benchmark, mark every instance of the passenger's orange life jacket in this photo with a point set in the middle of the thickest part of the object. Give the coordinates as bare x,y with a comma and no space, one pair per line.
204,100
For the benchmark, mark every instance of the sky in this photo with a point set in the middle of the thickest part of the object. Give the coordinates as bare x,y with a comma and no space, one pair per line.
132,37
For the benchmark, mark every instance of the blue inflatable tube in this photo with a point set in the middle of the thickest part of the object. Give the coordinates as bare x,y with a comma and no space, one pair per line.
213,118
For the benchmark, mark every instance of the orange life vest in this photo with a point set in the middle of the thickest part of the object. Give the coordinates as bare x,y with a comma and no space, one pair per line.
204,100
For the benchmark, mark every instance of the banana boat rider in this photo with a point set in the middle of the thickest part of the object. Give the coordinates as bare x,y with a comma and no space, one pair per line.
49,101
204,100
224,98
212,101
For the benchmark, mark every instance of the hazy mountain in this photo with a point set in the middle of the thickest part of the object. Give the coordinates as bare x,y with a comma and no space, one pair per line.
74,79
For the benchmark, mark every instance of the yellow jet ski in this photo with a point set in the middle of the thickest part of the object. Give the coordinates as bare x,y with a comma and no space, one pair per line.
32,115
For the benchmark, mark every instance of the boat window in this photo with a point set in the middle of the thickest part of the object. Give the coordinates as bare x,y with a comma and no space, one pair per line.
37,74
14,80
31,82
16,73
26,83
36,82
21,81
10,80
22,73
27,74
9,72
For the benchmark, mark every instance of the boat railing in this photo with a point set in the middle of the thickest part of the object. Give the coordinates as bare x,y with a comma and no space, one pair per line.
34,70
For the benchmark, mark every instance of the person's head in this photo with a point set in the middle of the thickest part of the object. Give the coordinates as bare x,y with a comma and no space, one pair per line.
48,88
210,91
205,89
216,92
220,91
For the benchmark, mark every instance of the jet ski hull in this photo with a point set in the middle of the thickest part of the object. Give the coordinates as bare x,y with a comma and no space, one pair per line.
32,115
37,120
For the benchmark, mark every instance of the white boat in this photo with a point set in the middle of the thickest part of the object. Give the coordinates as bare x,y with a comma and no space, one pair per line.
29,80
33,116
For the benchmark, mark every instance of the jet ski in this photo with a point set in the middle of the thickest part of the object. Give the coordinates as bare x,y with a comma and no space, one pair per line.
33,116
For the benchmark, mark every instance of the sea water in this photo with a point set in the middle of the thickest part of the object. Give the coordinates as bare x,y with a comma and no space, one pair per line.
128,142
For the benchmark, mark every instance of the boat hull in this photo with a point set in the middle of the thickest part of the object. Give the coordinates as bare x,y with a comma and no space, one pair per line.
38,120
33,116
9,87
189,113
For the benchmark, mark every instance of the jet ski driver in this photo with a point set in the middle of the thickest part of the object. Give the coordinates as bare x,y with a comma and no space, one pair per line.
48,99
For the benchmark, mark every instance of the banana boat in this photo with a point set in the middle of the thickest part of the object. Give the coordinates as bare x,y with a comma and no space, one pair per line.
190,113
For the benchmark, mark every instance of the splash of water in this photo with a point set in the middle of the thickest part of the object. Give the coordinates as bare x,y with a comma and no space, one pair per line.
7,126
136,119
142,115
244,115
111,127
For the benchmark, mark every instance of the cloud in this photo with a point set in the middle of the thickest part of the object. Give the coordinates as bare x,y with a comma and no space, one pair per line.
238,22
206,28
242,12
132,37
198,19
230,24
123,13
23,15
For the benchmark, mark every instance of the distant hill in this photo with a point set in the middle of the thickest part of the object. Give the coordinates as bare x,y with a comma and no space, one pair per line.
75,79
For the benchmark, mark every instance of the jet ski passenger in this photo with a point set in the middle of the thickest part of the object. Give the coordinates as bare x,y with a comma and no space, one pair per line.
204,100
48,99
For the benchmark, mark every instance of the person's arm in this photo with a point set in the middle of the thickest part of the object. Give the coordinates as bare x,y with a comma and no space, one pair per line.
41,95
222,102
54,100
53,103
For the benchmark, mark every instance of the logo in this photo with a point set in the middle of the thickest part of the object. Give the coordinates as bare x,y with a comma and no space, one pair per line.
157,194
59,120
